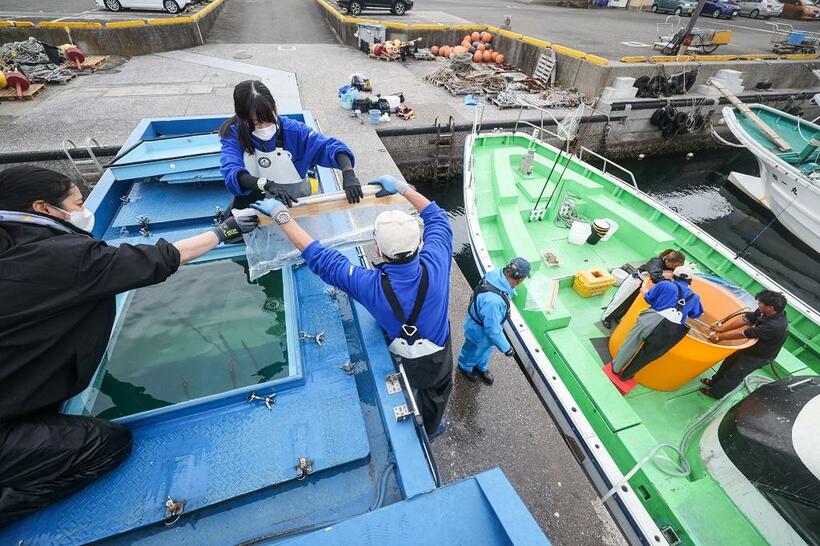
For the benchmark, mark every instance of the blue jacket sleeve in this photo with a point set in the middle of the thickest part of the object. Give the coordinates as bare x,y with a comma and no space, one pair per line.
232,162
697,309
315,148
332,267
652,295
438,236
492,310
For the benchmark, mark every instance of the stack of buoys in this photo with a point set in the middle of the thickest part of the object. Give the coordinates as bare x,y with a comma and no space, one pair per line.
477,44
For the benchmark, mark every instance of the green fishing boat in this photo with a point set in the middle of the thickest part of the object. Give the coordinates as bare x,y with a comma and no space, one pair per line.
672,464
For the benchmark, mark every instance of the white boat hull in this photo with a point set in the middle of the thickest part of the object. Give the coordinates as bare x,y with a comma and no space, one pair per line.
789,194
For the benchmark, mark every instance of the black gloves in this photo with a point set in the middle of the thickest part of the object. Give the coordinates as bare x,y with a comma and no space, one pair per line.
275,191
235,226
351,186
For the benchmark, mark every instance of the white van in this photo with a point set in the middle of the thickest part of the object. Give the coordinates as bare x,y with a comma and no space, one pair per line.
171,6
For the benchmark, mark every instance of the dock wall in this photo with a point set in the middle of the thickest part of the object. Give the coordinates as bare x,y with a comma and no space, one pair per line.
125,38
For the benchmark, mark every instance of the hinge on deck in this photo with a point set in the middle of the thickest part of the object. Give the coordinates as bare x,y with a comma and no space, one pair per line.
219,215
319,338
393,383
173,511
269,400
401,412
332,293
349,368
145,225
304,468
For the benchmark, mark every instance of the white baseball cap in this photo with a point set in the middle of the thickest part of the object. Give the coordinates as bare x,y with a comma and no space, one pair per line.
397,233
684,272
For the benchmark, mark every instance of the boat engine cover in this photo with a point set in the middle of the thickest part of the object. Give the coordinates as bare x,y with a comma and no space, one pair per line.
768,435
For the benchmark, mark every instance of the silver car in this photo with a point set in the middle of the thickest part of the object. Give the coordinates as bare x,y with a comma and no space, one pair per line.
760,8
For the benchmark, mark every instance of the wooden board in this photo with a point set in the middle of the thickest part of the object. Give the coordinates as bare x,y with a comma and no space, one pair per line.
335,202
746,111
92,62
10,93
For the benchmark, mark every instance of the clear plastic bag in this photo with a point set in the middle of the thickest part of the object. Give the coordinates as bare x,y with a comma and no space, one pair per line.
268,249
540,289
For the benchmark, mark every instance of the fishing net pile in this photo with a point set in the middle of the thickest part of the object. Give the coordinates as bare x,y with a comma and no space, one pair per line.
32,59
504,86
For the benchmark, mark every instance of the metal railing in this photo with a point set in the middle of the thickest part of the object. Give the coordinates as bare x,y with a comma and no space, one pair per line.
606,163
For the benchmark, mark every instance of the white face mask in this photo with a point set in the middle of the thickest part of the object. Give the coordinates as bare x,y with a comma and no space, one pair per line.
265,133
83,219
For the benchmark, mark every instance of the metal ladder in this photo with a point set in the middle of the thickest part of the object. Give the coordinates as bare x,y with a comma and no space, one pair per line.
443,154
89,169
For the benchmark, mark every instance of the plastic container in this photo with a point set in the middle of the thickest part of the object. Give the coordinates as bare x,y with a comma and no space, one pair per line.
592,282
579,232
375,116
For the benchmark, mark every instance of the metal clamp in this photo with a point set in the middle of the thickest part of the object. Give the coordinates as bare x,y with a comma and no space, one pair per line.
319,338
145,225
304,468
536,215
332,293
393,383
219,215
269,400
404,411
349,368
173,511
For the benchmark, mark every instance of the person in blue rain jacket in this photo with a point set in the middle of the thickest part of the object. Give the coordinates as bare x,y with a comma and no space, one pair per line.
268,155
483,326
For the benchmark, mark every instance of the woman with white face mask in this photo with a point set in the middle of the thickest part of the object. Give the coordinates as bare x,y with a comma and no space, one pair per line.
57,307
267,155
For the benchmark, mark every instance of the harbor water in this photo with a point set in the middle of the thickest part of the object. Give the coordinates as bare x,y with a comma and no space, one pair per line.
699,190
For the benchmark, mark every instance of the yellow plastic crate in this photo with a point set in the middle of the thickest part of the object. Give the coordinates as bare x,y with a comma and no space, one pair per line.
592,282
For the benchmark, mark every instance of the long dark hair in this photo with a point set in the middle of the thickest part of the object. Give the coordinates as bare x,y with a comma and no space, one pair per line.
251,99
673,255
22,185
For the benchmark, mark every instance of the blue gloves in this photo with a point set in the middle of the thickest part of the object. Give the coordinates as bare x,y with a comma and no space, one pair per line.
270,206
390,185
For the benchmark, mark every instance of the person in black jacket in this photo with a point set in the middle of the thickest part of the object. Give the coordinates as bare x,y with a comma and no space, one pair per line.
57,307
659,268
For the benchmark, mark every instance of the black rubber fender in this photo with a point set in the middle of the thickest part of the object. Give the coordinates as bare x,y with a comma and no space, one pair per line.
700,121
681,118
641,82
669,112
657,117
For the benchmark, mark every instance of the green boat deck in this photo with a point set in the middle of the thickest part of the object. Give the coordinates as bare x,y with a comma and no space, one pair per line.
796,132
629,426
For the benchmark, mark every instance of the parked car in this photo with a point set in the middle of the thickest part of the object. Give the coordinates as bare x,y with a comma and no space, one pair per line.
171,6
355,7
760,8
720,8
799,9
678,7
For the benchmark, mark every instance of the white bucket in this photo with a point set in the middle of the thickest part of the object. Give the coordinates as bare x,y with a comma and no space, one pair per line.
579,232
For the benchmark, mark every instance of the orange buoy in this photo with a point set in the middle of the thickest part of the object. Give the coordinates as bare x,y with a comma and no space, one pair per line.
478,57
434,50
458,50
448,52
486,37
493,56
475,36
500,59
487,56
466,38
466,45
481,47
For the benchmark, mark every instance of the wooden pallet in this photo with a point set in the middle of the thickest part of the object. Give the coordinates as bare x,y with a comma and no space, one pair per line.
92,62
9,93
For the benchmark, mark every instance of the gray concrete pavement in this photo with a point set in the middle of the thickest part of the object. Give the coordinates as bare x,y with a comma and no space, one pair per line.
277,22
610,33
506,425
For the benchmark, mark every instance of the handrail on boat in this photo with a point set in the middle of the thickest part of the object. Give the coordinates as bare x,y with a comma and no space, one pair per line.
608,162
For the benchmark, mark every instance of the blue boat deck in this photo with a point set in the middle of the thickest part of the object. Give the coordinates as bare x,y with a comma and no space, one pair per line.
329,448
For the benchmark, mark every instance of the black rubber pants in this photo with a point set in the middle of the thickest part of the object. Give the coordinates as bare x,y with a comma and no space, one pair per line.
48,456
432,382
733,370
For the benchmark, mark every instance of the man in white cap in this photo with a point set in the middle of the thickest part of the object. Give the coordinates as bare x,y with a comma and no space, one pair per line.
660,327
408,294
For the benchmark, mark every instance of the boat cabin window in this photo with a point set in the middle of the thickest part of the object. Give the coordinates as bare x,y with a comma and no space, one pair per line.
204,331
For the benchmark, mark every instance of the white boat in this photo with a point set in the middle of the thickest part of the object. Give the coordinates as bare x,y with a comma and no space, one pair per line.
789,182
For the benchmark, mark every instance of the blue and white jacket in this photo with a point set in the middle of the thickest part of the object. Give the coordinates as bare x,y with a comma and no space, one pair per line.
307,147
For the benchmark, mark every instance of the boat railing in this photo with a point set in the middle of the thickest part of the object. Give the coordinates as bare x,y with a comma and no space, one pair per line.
607,163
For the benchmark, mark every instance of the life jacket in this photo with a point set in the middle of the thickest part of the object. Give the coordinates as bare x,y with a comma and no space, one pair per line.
485,286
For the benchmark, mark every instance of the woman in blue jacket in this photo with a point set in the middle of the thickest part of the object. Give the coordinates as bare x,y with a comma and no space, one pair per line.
264,153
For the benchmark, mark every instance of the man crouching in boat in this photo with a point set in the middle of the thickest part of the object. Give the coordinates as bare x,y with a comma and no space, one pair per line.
768,325
408,294
661,326
489,308
57,287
